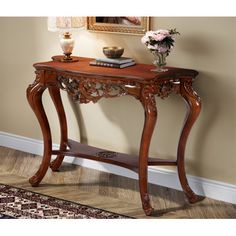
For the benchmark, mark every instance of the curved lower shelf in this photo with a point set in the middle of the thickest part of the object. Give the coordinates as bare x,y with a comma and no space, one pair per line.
131,162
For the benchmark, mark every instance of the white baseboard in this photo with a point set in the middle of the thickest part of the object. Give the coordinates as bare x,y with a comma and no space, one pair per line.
205,187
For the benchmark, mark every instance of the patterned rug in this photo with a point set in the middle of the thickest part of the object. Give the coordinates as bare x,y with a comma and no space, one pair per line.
17,203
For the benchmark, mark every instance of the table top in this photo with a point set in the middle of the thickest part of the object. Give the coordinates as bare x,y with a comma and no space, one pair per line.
136,72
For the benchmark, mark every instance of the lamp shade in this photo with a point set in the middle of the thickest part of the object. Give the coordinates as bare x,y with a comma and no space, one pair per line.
65,23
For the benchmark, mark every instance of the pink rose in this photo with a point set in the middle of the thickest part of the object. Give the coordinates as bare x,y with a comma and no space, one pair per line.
164,32
159,37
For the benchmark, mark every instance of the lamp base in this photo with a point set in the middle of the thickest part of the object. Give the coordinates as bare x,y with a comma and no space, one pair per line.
64,59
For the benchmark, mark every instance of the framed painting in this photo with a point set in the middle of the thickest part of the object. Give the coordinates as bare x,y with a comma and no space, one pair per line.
120,24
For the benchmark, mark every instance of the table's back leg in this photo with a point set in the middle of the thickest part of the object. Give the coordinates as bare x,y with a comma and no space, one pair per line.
193,109
149,104
56,98
34,96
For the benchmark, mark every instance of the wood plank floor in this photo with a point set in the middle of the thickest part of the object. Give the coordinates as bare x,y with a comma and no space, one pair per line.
103,190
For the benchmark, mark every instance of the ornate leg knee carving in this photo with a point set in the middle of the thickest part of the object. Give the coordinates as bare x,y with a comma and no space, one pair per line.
194,107
34,96
56,98
149,104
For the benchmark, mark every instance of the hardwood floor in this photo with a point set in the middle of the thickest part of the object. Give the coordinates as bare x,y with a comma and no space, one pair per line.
103,190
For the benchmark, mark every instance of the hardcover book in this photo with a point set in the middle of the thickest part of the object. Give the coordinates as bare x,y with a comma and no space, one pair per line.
113,65
120,60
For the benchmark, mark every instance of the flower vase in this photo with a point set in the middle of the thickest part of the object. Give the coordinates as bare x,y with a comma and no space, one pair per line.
159,61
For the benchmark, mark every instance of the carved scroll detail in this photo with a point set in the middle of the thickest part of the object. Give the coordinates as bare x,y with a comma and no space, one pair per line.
165,88
89,89
93,90
148,98
160,88
106,154
146,201
188,87
70,85
36,81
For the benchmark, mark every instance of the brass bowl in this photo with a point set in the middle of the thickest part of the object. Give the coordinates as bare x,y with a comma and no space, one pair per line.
113,52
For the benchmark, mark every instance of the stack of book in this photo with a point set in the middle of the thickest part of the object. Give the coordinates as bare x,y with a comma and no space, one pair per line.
121,62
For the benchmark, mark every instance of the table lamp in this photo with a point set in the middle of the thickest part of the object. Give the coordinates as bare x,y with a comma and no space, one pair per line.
64,25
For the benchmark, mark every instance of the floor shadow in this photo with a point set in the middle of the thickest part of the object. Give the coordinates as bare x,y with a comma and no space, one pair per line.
125,184
163,212
201,207
67,168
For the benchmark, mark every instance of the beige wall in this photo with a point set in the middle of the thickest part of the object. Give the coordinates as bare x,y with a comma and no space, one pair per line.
205,44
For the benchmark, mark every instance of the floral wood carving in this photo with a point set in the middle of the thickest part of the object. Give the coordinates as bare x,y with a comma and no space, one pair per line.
148,99
93,90
106,154
37,79
187,85
146,204
165,88
86,89
160,88
70,85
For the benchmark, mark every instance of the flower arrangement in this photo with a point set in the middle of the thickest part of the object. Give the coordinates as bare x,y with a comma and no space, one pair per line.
160,40
160,43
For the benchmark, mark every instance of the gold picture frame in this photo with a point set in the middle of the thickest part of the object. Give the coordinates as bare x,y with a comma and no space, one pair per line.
123,25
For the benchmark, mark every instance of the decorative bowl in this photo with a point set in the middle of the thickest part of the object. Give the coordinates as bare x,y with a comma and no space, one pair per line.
113,52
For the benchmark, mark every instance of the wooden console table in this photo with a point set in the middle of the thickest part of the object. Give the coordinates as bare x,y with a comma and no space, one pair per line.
86,83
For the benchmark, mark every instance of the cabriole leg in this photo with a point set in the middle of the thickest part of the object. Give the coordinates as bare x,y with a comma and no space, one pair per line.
56,98
34,96
149,104
193,109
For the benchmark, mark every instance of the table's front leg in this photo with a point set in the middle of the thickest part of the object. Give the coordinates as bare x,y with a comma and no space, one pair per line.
34,96
193,109
149,104
56,98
